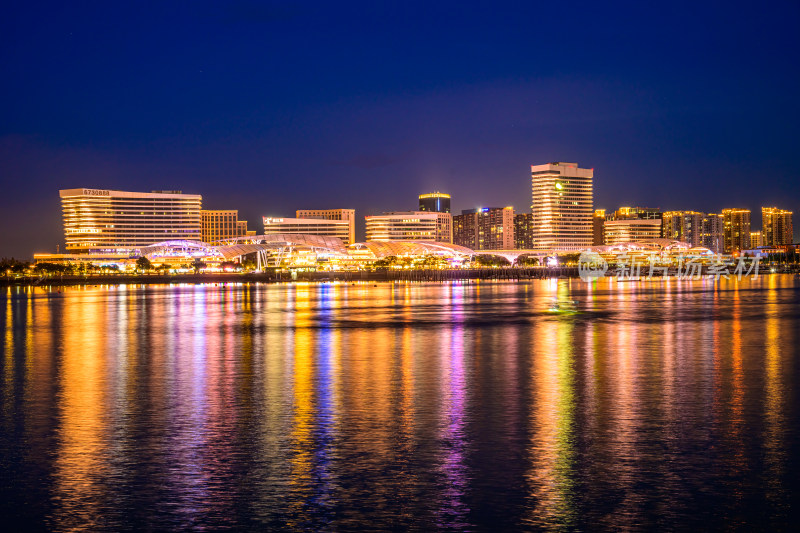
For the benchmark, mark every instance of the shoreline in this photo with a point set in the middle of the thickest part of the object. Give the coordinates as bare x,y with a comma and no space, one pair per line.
510,274
500,274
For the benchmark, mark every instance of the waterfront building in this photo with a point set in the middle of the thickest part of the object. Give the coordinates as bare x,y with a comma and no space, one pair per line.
713,236
684,226
436,202
403,226
756,240
348,215
736,229
307,226
222,224
561,204
776,224
104,220
485,228
631,230
523,231
598,225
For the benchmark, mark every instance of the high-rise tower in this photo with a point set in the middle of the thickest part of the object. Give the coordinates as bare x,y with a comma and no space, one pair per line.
562,201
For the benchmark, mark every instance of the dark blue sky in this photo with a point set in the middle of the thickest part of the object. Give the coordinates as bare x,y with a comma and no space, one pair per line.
271,107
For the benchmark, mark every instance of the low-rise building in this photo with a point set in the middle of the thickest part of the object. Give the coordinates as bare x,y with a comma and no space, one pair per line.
348,215
307,226
631,230
403,226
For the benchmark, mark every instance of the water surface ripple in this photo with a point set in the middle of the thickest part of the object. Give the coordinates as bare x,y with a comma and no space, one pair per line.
463,406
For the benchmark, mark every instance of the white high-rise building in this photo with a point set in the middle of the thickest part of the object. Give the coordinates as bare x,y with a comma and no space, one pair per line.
102,220
561,206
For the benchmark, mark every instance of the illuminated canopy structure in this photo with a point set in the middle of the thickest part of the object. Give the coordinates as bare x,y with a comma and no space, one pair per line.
280,242
661,247
180,248
381,249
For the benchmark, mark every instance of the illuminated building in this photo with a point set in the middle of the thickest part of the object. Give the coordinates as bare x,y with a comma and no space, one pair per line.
736,229
308,226
598,224
102,221
713,236
403,226
444,227
684,226
631,230
661,251
348,215
561,204
219,225
485,228
464,229
436,202
628,213
755,240
410,226
523,231
777,227
329,253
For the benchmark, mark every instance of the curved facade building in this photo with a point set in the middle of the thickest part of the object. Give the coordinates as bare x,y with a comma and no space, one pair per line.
435,202
380,249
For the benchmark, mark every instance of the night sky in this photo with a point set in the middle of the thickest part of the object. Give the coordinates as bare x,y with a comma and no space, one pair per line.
272,107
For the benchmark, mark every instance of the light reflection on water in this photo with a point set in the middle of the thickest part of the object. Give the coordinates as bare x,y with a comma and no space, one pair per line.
457,406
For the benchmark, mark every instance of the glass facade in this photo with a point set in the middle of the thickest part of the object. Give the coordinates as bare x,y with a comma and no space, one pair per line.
436,202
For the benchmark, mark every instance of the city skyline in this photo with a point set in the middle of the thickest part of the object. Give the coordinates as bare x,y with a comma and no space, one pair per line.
358,225
271,265
100,222
267,108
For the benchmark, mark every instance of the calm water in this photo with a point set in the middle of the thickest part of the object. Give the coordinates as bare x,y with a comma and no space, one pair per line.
456,406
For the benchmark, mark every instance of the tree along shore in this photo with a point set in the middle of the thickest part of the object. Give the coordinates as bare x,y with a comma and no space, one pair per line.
277,277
